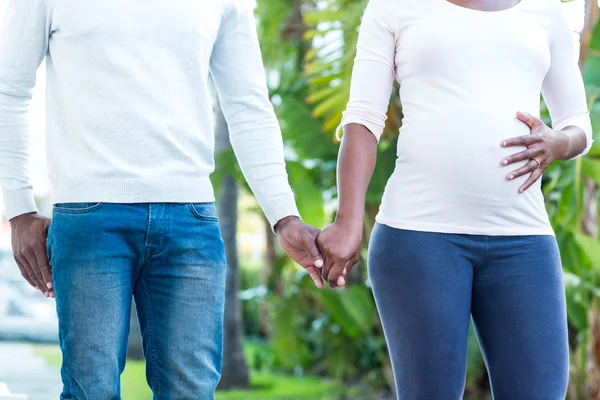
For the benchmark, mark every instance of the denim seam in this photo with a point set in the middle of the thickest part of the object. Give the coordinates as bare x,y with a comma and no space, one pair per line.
161,236
152,358
485,255
200,216
73,380
87,210
147,240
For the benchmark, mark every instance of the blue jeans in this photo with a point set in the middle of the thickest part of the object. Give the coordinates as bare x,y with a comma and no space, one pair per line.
428,285
170,257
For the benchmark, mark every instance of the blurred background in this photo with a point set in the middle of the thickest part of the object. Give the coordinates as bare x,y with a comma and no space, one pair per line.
284,338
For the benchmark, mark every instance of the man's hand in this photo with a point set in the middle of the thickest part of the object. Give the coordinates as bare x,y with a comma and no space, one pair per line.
340,244
298,241
29,233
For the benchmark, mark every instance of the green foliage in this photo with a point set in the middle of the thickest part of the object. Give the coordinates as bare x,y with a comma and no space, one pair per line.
353,310
273,386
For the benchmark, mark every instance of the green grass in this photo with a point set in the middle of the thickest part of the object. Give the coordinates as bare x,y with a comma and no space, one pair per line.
133,380
272,386
265,385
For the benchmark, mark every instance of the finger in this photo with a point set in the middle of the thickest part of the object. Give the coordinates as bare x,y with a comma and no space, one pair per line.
532,122
316,276
535,175
38,277
526,154
328,261
309,244
30,264
525,140
25,274
334,274
526,169
342,278
41,257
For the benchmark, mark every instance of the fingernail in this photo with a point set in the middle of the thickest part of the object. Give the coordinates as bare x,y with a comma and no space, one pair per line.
344,271
504,162
341,281
319,263
510,177
503,144
49,285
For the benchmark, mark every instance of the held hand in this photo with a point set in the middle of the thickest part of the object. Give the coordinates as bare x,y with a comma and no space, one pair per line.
340,244
298,241
29,234
544,146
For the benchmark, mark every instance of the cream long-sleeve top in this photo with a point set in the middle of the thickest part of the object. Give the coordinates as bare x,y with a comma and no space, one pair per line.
129,113
463,75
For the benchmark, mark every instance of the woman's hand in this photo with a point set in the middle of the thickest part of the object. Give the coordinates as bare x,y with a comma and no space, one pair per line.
544,146
340,244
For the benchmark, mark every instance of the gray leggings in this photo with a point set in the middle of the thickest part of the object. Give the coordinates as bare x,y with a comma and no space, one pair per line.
428,285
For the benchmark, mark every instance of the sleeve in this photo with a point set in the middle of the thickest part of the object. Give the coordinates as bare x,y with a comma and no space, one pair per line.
24,32
563,88
237,69
373,72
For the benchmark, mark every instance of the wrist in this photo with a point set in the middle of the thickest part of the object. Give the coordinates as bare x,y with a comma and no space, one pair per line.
350,220
562,145
282,223
22,217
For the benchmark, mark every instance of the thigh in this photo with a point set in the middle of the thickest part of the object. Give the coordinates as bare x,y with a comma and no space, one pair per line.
422,287
180,296
92,260
519,312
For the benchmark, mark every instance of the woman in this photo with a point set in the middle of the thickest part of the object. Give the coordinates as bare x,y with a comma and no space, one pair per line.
462,230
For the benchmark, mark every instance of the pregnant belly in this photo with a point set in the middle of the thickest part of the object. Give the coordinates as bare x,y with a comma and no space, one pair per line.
452,171
463,155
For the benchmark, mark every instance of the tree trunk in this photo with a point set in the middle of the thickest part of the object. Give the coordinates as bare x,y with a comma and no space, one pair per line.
135,350
266,278
590,217
235,372
591,17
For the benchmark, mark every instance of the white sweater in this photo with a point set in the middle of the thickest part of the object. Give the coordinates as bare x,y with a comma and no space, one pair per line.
129,114
463,75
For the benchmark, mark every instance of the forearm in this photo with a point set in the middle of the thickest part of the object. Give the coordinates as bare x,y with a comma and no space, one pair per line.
356,162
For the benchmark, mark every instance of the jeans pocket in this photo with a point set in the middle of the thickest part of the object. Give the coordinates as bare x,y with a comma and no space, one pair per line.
204,211
76,208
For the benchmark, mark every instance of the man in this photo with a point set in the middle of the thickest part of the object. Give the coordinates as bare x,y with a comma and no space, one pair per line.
130,150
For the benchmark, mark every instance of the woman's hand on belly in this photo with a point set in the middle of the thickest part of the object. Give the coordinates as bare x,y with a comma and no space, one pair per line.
544,146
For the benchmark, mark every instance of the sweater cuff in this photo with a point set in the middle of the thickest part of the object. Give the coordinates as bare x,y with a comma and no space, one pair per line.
583,122
279,207
18,202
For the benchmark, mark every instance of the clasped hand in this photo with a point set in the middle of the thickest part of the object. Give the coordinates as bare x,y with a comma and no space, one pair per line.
327,254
